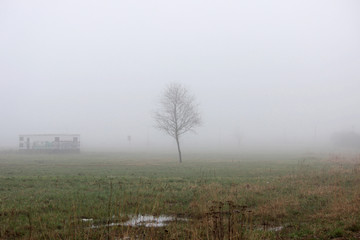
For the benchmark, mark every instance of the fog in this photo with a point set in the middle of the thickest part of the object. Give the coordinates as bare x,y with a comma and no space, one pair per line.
266,74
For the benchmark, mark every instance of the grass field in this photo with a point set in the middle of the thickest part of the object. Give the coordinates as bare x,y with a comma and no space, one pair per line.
288,196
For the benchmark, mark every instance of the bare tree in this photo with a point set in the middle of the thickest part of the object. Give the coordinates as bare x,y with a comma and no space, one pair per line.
178,113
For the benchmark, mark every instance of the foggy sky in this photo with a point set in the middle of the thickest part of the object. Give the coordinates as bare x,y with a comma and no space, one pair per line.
265,73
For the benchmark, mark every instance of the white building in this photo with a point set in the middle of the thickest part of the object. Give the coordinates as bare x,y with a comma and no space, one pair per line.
50,143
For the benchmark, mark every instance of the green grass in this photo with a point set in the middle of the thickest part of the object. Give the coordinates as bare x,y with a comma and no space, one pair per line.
45,196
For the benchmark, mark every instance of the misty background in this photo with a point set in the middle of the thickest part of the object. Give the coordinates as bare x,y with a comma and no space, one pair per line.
267,74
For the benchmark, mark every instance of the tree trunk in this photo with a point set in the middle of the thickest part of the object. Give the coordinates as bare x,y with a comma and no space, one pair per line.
178,145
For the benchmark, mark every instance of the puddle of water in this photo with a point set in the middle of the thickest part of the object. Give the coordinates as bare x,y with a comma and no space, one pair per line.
149,221
87,219
271,229
140,220
106,225
275,229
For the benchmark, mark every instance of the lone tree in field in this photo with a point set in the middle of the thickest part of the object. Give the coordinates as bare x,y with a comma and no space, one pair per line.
178,113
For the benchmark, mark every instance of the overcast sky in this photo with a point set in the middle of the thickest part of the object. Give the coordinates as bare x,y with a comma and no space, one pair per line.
265,73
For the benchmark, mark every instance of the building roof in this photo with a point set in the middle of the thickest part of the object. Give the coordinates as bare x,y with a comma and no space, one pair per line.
49,135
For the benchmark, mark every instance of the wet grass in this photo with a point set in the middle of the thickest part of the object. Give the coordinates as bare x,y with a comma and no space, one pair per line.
224,197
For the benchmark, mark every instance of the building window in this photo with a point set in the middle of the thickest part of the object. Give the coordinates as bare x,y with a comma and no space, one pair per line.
21,138
21,145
